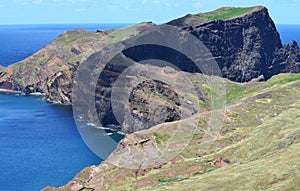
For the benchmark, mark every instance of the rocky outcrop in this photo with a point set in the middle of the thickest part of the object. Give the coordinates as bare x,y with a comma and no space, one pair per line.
221,162
51,70
245,45
286,60
242,46
143,105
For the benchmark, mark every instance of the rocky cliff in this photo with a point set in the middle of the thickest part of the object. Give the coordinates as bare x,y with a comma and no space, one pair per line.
243,45
51,70
243,41
285,60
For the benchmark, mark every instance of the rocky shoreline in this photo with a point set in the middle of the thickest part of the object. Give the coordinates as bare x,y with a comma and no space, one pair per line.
246,46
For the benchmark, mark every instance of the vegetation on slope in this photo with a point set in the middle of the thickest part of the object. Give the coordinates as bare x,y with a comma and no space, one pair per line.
260,137
65,53
219,14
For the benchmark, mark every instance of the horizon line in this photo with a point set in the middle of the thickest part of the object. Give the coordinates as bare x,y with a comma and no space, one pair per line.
92,23
64,23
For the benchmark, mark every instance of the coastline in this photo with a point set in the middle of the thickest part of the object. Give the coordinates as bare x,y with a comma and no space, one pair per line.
111,129
10,91
6,91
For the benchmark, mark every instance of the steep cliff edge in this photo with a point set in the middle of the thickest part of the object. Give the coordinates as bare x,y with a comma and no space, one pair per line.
243,44
286,60
51,70
243,41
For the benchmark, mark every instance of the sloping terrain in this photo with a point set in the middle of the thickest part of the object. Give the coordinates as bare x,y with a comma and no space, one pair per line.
219,14
245,45
243,41
51,70
245,139
260,137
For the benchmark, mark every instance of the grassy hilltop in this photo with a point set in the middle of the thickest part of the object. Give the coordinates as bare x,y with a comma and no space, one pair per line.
219,14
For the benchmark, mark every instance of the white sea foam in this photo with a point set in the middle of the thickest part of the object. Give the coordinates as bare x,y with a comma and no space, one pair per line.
37,94
91,124
10,91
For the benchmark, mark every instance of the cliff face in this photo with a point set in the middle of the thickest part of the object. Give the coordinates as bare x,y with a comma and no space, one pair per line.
286,60
43,72
243,46
243,41
51,70
150,102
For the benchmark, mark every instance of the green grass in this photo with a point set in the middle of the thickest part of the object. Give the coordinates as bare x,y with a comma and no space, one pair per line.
263,155
68,37
42,60
234,91
281,79
252,141
219,14
121,34
261,139
161,138
77,58
171,179
222,14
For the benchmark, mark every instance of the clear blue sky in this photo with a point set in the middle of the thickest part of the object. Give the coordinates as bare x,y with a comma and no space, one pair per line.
130,11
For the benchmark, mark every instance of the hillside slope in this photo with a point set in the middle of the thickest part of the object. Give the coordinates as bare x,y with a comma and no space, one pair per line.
225,13
260,137
243,41
51,70
255,138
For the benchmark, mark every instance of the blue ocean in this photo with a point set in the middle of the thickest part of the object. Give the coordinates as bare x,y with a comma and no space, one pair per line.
39,141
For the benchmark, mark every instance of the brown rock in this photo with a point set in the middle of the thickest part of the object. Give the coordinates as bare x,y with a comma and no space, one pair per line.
147,181
221,162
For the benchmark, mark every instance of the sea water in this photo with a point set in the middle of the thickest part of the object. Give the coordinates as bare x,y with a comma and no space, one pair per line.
39,141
